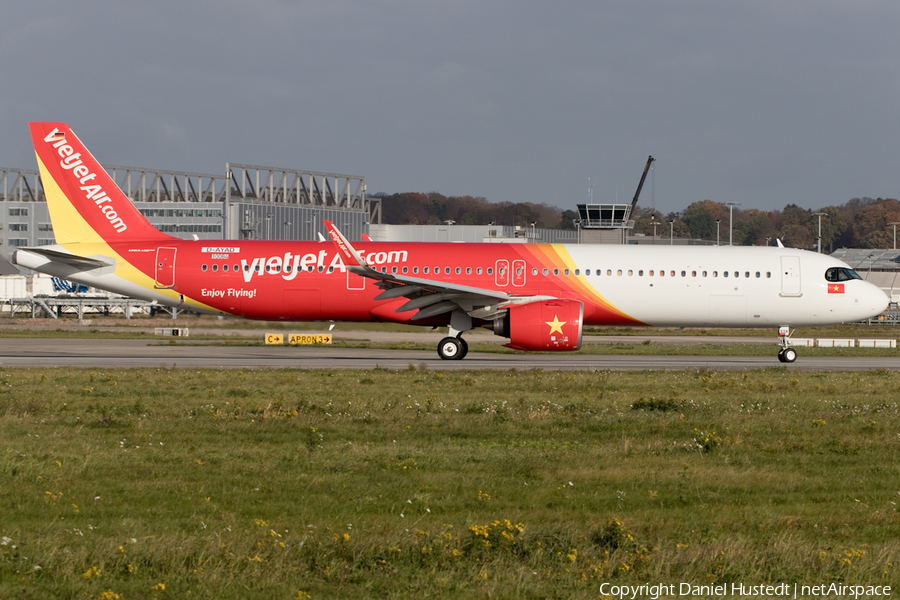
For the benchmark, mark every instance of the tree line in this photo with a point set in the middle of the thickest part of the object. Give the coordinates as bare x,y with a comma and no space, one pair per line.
858,223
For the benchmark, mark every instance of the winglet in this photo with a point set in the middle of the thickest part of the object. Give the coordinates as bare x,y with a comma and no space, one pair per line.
366,237
348,253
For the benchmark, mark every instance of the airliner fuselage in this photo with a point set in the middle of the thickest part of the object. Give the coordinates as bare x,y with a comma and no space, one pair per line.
538,295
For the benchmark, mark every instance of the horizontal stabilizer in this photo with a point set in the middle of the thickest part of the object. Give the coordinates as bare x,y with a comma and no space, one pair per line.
82,263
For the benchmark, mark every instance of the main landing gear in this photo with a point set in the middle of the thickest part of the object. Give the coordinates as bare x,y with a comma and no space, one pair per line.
453,348
786,354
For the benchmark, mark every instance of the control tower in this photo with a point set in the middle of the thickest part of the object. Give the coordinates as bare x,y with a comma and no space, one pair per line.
608,223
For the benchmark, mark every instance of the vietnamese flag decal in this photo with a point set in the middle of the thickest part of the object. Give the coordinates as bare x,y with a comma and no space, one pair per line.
835,288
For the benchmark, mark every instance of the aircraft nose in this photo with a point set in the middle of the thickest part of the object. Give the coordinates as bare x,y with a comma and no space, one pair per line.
876,300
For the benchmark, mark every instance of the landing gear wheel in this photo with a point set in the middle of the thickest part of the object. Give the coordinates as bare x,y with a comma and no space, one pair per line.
451,348
465,348
787,355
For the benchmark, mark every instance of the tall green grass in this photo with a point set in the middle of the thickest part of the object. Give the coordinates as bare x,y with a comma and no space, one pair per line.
167,483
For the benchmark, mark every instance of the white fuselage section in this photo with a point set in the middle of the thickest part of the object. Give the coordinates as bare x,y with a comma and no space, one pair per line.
724,286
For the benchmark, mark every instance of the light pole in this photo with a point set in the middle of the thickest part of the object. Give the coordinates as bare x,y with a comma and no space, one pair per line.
672,232
895,233
820,215
449,222
731,206
655,225
717,231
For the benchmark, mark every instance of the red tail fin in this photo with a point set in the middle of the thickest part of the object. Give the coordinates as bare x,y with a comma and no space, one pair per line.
85,203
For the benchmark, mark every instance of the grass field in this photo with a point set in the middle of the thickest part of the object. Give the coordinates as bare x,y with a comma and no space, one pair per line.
166,483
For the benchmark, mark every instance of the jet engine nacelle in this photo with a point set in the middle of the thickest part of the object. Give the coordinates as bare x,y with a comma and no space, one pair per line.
544,325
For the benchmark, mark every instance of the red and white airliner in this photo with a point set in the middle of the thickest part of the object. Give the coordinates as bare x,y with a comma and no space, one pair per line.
540,296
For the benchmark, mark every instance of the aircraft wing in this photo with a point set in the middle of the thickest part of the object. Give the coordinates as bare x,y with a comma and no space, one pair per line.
428,296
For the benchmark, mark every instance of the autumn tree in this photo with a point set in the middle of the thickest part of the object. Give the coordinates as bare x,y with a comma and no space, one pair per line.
870,227
755,227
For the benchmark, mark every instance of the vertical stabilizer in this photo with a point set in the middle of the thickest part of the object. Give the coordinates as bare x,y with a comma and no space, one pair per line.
86,205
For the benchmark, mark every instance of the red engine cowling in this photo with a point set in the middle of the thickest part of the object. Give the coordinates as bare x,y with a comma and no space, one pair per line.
546,325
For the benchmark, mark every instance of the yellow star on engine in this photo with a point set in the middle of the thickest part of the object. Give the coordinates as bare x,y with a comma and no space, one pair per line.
556,325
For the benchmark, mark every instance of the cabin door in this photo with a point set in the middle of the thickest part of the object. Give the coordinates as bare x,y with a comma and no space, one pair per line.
790,276
501,273
165,268
518,277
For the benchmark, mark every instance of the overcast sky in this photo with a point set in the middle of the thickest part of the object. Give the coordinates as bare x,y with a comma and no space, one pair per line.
759,102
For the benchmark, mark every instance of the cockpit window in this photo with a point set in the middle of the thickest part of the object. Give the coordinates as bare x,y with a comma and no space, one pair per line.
841,274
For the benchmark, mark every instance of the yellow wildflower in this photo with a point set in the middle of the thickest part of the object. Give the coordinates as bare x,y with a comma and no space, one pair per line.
92,572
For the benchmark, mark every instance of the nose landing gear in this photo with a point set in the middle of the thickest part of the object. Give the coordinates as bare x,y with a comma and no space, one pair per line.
786,354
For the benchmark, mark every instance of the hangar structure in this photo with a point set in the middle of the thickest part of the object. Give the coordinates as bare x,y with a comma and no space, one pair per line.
247,202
